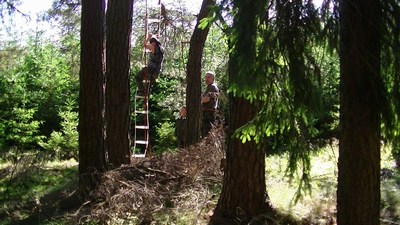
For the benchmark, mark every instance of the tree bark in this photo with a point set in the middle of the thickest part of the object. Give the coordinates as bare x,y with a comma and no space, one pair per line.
193,68
91,96
244,191
118,30
358,194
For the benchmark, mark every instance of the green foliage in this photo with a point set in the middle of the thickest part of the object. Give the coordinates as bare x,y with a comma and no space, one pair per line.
283,67
206,22
64,144
38,90
21,130
163,102
166,137
46,78
390,69
287,79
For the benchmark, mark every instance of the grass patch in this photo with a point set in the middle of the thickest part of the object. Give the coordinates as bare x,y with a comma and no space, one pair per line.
316,207
23,191
390,204
319,206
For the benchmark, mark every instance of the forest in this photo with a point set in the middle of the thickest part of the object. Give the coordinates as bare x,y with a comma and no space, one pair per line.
307,128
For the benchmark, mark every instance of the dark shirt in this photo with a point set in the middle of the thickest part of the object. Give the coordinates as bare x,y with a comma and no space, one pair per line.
156,60
211,91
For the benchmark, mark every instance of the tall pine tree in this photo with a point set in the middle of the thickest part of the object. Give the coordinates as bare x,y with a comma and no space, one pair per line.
118,43
91,96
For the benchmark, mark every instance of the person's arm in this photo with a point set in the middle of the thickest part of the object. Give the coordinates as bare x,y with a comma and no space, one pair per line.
205,96
205,99
212,93
147,45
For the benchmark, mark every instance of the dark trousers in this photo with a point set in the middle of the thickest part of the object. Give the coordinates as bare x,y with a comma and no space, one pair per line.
145,74
208,122
180,132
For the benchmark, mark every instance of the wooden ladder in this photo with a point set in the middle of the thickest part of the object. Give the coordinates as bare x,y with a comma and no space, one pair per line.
142,125
142,108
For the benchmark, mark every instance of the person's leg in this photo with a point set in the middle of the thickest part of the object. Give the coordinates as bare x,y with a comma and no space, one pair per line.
153,74
208,121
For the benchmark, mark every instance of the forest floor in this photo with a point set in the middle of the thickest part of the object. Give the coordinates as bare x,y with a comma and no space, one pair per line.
180,187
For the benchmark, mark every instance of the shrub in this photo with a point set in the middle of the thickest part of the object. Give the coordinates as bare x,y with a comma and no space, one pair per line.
64,144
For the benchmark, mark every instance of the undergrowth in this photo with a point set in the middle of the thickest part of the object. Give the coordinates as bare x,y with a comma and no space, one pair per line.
180,188
24,192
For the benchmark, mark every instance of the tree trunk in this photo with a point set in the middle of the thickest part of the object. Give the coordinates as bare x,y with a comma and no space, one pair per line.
91,96
358,195
118,29
243,192
193,68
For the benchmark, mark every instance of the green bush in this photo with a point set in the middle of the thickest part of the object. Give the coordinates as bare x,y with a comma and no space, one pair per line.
64,144
166,137
22,130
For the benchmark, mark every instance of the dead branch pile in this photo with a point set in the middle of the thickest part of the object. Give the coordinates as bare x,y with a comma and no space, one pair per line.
181,180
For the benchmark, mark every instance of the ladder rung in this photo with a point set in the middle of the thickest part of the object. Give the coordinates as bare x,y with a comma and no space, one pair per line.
140,96
141,142
153,20
146,81
142,127
141,112
139,155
